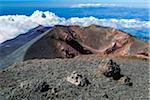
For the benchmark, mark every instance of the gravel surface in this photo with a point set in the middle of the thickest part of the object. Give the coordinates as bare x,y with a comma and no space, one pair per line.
46,80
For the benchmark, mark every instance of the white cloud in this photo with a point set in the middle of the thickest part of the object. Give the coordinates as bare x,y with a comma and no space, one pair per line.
93,5
13,25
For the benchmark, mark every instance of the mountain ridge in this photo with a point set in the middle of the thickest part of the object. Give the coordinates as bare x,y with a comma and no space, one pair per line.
71,41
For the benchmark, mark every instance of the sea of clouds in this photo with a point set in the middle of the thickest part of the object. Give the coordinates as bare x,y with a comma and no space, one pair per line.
93,5
14,25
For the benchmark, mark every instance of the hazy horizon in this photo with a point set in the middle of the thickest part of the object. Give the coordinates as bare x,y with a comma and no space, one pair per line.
69,3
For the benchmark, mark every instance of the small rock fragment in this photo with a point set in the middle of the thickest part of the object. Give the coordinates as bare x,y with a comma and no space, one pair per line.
125,80
78,79
42,86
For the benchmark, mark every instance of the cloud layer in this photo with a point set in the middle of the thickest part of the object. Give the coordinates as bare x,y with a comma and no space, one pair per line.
93,5
13,25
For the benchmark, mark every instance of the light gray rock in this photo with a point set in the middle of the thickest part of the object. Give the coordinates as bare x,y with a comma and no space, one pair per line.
77,79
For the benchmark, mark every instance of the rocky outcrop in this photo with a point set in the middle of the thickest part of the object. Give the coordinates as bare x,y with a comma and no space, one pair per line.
111,69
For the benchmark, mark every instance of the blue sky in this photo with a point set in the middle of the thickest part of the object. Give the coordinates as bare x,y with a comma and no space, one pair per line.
68,3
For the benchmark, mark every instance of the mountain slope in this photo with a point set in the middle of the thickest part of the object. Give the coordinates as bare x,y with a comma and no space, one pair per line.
25,80
9,46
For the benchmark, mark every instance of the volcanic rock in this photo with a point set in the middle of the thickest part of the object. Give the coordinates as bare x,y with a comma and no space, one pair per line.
109,68
24,81
78,79
125,80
